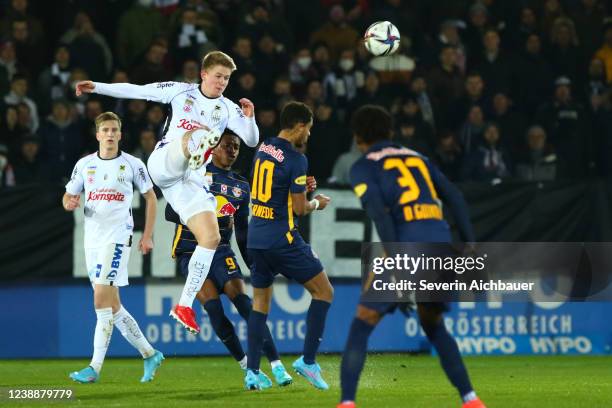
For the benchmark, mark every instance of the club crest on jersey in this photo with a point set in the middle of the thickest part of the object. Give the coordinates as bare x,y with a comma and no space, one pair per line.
216,115
223,188
121,175
91,175
188,105
237,192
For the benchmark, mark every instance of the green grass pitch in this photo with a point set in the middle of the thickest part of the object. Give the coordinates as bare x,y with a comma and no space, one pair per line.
389,380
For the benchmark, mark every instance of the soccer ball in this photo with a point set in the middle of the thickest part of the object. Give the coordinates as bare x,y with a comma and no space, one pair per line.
382,38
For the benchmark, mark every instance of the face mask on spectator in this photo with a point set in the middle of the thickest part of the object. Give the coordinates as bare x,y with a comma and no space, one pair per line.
304,62
346,64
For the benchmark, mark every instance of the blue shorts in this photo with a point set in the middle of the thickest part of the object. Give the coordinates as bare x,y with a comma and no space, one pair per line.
223,269
295,261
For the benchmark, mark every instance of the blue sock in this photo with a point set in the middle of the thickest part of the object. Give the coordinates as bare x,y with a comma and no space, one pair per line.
224,328
315,323
243,304
257,326
354,357
449,355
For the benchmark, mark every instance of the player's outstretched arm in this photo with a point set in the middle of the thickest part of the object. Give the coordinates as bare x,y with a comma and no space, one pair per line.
157,92
146,242
71,202
84,87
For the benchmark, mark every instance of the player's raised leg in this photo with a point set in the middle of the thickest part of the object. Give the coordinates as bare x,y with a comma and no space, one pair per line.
205,229
322,295
448,352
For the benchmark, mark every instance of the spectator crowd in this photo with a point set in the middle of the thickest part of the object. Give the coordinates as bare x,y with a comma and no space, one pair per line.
490,90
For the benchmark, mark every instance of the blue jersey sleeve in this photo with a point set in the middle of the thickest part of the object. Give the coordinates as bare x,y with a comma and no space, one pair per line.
453,197
298,175
367,188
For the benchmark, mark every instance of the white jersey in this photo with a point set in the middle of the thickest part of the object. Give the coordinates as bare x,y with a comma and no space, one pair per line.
109,189
189,108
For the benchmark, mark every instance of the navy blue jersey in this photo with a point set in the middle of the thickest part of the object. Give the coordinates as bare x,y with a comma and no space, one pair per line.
401,190
278,171
232,193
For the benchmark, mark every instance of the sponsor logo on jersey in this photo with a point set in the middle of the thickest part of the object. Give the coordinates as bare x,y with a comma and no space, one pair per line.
162,85
391,151
223,188
188,124
224,207
141,173
105,195
360,189
272,151
237,192
300,181
188,105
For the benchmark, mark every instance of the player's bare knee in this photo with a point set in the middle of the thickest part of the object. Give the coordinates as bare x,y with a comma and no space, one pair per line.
232,290
371,317
327,292
203,297
320,288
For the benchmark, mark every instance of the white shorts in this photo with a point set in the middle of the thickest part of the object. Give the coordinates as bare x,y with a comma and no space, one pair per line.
108,265
187,192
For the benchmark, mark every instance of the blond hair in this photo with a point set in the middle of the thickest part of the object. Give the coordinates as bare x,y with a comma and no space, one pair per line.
217,58
103,117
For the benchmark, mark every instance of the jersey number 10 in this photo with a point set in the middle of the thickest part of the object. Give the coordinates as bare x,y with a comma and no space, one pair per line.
262,180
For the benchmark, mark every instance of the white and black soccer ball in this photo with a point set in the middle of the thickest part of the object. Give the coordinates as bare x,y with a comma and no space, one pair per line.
382,38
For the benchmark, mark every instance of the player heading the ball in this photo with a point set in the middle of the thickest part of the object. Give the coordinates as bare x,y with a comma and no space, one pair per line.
198,115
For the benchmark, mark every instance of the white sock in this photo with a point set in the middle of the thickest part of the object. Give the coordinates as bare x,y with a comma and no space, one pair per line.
470,396
199,265
176,162
102,336
243,362
276,363
128,327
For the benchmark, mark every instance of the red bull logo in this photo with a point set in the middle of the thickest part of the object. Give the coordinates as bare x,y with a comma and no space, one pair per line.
224,207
